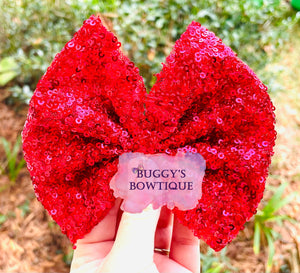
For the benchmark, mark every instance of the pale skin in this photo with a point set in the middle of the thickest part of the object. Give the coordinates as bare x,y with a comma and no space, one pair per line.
124,242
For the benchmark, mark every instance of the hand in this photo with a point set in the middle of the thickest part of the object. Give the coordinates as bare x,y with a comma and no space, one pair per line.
124,242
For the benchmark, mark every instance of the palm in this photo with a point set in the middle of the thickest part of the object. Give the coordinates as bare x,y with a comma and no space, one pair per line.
184,253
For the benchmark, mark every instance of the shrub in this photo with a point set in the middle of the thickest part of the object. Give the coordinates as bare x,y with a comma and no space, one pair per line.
33,31
251,28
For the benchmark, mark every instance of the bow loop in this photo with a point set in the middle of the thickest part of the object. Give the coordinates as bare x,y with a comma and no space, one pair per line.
206,100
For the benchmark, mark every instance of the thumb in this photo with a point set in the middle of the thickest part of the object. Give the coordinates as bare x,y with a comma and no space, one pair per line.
134,244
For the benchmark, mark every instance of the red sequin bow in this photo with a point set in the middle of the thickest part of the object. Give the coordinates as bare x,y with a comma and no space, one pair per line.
91,106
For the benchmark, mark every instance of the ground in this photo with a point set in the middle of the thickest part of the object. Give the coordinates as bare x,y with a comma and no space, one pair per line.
31,242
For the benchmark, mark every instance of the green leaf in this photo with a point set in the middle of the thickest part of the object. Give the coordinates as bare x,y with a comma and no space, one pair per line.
283,202
12,156
3,218
202,13
216,269
6,147
275,203
16,147
160,22
8,70
68,257
6,77
25,208
275,235
258,3
271,250
18,168
280,218
256,239
8,64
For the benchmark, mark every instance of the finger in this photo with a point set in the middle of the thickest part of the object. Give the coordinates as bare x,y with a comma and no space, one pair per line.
164,264
98,243
185,247
86,255
119,217
106,229
164,228
134,244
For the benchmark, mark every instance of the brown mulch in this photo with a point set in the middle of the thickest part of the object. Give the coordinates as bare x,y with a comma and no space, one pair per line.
29,240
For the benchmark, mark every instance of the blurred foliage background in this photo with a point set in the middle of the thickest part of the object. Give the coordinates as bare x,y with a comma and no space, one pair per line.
264,33
33,31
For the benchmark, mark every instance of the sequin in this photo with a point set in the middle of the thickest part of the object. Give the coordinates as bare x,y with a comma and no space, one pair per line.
219,121
265,144
221,155
202,75
225,213
78,196
53,211
71,44
196,118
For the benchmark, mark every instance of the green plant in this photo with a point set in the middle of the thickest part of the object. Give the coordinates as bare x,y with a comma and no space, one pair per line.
12,165
8,70
254,29
32,32
3,218
24,208
212,262
268,215
67,258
